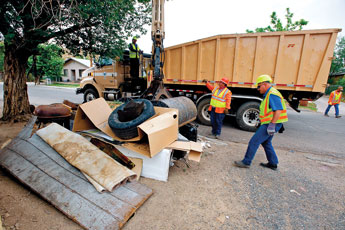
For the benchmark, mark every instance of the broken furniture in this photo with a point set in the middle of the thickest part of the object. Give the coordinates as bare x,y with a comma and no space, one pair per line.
34,163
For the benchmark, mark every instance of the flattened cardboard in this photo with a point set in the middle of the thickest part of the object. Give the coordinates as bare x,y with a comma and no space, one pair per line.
194,148
161,129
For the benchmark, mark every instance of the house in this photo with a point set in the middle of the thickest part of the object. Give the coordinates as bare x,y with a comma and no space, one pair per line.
73,67
335,77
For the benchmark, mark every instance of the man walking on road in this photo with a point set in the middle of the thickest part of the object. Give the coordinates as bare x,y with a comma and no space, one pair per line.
219,106
272,115
334,99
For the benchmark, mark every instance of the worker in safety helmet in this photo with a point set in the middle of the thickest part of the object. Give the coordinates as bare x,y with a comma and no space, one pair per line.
272,116
134,54
334,99
219,106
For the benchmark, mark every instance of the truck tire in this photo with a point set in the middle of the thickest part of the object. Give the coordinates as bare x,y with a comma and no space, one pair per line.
128,130
90,94
202,110
248,115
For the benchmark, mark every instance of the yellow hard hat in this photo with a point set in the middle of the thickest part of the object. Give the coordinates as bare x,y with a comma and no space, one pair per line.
263,78
135,38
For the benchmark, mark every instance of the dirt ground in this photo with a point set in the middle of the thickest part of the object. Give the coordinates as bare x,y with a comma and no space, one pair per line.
307,192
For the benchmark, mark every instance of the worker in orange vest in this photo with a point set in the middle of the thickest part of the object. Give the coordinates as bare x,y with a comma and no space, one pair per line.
334,99
219,105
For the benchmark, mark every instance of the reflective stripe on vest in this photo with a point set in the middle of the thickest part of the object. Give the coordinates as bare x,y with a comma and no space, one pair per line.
218,98
133,54
266,113
336,97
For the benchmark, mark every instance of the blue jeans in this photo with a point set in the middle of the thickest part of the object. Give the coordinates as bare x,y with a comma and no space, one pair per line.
336,106
217,122
261,137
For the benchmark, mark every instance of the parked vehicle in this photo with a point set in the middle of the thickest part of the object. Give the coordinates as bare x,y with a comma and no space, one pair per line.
298,61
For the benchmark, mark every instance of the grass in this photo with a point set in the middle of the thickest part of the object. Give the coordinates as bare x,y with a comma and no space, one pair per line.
69,85
310,106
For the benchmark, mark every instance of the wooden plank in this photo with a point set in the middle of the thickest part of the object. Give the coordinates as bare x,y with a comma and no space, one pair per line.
42,169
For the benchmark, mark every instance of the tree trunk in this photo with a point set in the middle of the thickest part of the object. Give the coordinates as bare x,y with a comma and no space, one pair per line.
16,102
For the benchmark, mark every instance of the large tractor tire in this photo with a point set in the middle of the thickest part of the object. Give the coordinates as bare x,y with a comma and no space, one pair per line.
128,130
247,116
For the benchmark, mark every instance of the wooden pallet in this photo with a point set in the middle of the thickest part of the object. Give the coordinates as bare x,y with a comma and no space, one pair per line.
48,174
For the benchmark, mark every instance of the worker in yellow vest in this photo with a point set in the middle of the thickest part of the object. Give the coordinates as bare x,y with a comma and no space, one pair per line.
134,54
334,99
272,116
219,106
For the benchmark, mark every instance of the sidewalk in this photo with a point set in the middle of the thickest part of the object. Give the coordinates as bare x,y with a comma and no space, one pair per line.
322,104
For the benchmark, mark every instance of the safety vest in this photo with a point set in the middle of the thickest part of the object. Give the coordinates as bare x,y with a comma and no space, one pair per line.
134,54
266,113
218,98
335,97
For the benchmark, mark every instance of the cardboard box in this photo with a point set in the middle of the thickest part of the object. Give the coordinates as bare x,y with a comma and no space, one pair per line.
161,130
194,148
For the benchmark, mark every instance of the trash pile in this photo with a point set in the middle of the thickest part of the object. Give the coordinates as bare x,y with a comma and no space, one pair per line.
87,153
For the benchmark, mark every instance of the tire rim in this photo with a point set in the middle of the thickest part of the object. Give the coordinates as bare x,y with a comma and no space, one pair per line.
204,113
90,97
251,117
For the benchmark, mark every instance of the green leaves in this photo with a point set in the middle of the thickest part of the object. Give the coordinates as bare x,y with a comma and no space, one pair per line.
338,63
277,25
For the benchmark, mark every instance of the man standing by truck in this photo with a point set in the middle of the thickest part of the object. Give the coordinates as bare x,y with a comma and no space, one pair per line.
134,53
272,115
334,99
219,106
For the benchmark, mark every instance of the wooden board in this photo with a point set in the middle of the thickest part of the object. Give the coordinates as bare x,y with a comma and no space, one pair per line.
48,174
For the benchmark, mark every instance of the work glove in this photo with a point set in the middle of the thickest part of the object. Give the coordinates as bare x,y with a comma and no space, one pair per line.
271,129
204,81
226,111
330,103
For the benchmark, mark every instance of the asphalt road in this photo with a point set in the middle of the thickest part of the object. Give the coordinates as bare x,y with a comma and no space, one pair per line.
307,131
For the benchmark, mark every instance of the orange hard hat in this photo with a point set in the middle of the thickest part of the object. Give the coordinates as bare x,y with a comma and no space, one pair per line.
225,80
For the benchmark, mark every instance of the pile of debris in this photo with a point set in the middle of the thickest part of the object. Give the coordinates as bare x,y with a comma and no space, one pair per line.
90,172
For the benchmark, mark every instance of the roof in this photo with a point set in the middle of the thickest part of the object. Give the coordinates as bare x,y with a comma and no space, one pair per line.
84,62
337,74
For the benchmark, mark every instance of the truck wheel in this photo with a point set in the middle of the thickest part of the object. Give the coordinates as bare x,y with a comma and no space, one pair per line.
248,115
203,115
128,130
90,94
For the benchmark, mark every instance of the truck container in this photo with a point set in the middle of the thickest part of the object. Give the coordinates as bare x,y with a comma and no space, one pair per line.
298,61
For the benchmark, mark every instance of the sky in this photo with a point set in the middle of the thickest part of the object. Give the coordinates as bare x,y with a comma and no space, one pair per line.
189,20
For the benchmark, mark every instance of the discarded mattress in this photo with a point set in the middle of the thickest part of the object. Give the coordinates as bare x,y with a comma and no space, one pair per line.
85,156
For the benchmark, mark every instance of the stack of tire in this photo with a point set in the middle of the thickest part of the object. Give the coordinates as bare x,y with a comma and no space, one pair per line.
127,130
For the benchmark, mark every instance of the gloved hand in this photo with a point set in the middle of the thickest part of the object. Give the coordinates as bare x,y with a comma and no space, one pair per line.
204,81
271,129
330,103
226,111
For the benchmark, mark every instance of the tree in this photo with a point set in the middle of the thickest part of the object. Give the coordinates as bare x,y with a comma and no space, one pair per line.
93,27
338,63
49,62
277,25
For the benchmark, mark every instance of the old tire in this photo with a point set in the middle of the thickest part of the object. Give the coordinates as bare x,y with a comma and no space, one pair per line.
202,110
128,130
247,116
90,94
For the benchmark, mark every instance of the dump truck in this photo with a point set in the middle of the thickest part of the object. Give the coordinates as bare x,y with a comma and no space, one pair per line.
298,61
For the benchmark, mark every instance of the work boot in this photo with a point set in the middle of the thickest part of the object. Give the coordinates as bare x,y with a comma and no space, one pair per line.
218,137
326,115
269,165
212,136
337,116
240,164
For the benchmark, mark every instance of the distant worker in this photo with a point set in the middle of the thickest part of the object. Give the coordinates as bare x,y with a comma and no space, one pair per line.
334,99
272,115
219,106
134,54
